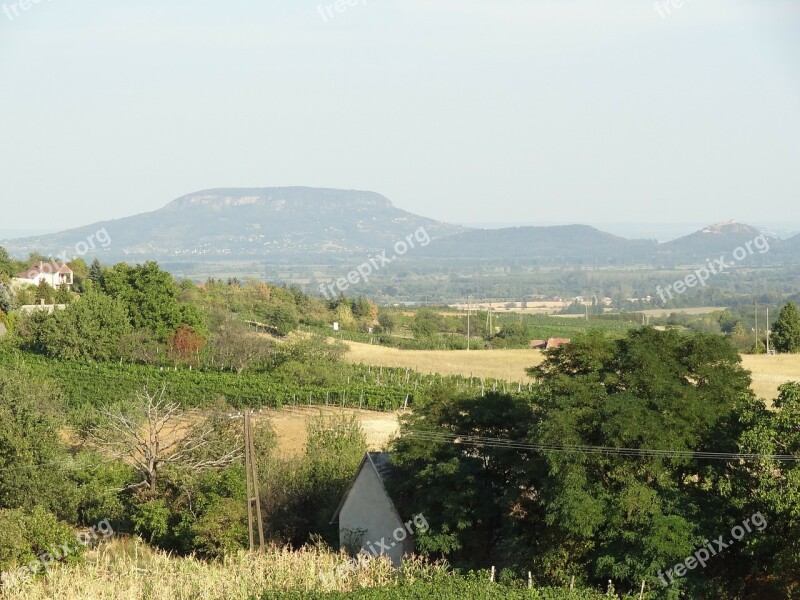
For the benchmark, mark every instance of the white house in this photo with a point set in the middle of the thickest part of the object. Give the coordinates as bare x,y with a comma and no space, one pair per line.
50,272
368,518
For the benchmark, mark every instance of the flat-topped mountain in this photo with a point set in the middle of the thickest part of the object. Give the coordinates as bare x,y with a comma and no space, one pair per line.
288,222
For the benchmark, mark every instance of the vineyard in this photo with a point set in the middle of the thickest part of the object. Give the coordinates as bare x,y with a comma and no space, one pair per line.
359,386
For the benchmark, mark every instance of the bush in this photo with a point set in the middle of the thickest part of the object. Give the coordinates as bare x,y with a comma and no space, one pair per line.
26,535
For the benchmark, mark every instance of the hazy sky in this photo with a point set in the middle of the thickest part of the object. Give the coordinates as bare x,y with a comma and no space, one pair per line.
467,111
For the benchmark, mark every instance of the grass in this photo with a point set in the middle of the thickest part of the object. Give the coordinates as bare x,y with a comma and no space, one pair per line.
130,570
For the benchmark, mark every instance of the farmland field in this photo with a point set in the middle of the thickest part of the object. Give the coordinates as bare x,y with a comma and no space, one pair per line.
290,425
768,371
501,364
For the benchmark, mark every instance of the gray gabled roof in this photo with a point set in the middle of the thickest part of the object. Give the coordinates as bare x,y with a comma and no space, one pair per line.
381,462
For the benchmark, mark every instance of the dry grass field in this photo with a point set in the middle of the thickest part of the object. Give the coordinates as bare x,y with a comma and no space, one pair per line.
290,425
771,371
129,570
768,371
501,364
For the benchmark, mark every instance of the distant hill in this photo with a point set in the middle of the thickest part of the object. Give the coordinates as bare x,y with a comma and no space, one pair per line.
558,244
715,240
297,223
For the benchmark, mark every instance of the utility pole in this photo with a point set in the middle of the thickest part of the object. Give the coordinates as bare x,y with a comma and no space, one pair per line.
253,499
469,309
768,331
755,306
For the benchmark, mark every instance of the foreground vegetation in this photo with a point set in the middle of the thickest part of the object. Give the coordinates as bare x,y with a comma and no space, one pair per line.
121,408
130,570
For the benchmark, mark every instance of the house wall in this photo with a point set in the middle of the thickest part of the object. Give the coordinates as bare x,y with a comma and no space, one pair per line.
53,279
368,507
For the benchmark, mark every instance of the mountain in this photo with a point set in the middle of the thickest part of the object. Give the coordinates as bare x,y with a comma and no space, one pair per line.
715,240
319,226
558,244
290,223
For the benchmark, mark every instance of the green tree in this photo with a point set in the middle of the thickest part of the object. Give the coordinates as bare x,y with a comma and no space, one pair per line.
282,318
151,298
626,518
7,264
773,487
427,323
63,295
34,466
786,329
469,493
45,292
86,330
96,272
387,321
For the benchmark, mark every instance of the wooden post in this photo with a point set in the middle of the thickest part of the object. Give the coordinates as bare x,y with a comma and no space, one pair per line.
572,584
249,482
253,492
492,575
530,581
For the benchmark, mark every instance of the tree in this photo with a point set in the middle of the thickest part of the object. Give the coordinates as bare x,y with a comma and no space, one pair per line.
344,315
157,434
773,486
233,347
45,292
281,318
427,323
387,321
626,518
33,463
62,295
786,329
469,493
185,344
151,298
86,330
96,272
7,264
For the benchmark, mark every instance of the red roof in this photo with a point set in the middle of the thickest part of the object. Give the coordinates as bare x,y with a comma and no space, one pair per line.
43,267
550,343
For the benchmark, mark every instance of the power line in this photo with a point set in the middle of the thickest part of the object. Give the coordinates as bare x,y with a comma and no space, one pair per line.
442,437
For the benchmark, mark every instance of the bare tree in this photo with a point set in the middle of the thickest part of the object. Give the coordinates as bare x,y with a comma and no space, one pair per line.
160,433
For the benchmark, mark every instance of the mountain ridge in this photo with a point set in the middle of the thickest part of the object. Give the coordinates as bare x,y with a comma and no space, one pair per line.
311,225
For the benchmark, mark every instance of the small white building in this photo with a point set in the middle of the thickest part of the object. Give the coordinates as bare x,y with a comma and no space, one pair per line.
49,272
368,519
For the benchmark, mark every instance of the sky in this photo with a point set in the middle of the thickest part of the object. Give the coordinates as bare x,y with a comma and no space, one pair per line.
535,111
